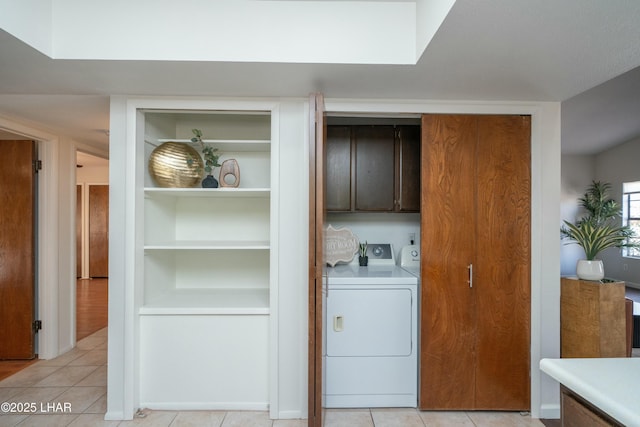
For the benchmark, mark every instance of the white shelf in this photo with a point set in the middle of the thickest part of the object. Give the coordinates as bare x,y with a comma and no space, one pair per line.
207,192
208,301
209,245
229,145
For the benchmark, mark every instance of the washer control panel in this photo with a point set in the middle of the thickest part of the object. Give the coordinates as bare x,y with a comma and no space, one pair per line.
380,254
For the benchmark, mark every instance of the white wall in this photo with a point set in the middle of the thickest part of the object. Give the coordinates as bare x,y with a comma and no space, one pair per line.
29,20
257,31
92,175
292,296
577,174
616,166
373,227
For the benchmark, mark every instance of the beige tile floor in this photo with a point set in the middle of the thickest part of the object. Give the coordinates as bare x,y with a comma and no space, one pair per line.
71,391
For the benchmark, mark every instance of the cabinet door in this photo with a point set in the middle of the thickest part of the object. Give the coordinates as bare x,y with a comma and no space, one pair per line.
338,168
408,169
502,270
447,354
375,168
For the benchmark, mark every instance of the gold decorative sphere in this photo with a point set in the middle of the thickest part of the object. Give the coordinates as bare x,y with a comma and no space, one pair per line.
176,165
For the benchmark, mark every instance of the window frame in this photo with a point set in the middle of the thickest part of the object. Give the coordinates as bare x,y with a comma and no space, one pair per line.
630,190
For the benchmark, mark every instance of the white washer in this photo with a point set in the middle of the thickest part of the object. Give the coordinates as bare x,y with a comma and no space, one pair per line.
371,334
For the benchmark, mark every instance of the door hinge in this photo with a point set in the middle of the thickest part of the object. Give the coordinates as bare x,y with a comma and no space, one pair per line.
37,325
37,165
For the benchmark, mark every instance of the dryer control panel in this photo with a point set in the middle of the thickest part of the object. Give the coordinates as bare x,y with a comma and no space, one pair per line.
380,254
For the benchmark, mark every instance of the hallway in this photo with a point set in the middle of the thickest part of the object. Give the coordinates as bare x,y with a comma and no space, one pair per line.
91,306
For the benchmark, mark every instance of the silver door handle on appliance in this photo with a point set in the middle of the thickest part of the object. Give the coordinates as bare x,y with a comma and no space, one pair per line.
470,281
338,325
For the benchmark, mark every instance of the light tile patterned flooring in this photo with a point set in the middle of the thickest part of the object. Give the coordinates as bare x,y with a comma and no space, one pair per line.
71,391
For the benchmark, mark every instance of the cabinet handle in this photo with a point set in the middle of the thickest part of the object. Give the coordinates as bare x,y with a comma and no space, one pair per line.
470,281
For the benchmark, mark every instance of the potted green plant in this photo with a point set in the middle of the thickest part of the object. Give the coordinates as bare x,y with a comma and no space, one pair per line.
210,159
598,230
363,259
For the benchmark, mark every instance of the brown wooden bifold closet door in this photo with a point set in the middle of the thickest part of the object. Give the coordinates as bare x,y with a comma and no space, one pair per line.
475,237
447,358
317,212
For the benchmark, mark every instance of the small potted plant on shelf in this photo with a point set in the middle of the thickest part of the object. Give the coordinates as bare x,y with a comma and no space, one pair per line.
210,159
363,259
597,230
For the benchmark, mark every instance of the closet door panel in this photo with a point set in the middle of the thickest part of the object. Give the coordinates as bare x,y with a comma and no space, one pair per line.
447,359
502,270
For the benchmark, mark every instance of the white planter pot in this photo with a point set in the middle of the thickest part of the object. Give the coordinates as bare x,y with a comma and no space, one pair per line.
590,270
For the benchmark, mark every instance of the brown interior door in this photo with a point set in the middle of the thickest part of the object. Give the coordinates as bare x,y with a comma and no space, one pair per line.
503,301
17,249
78,231
98,231
447,354
316,257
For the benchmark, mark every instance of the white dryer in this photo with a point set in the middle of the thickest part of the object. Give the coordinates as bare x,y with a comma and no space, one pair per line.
371,334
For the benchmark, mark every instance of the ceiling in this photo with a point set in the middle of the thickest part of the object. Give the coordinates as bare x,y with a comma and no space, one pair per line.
583,53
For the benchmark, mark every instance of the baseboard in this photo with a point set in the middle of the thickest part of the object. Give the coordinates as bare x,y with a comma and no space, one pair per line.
206,406
290,415
115,416
632,284
550,411
626,282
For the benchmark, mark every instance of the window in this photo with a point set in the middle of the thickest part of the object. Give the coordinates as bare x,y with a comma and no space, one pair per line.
631,214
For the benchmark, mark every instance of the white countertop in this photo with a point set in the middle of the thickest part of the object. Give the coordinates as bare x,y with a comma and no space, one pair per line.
611,384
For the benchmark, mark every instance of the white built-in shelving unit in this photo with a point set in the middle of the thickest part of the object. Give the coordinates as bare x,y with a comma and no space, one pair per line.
208,267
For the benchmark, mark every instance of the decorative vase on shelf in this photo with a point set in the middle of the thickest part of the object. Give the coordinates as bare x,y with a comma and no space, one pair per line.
230,173
590,269
209,182
363,260
175,165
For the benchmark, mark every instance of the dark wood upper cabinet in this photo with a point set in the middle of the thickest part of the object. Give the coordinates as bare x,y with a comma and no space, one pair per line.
408,169
373,168
338,168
